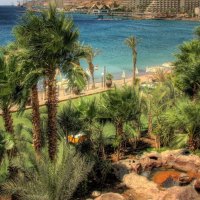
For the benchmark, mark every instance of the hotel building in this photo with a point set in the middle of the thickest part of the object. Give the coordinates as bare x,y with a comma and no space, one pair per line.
160,6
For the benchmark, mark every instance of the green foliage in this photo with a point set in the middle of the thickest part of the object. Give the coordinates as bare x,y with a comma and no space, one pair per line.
9,81
6,143
131,42
187,68
48,180
122,104
179,123
109,76
4,172
4,86
197,32
77,78
69,118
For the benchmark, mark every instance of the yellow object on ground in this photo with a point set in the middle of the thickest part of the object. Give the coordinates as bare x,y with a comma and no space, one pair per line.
77,139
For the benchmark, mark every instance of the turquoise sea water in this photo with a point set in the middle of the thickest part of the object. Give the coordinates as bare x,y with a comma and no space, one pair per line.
158,39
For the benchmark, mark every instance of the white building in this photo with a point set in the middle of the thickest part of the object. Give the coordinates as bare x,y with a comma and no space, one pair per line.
100,9
160,6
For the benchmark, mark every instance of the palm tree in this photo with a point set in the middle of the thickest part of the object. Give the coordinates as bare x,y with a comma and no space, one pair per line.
91,54
69,119
157,101
88,115
184,122
186,71
131,42
29,72
32,75
7,68
51,41
6,144
122,105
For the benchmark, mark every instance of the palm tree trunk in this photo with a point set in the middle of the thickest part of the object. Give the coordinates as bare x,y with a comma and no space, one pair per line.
134,66
119,129
52,111
36,120
91,68
45,88
8,121
192,143
157,139
67,136
150,128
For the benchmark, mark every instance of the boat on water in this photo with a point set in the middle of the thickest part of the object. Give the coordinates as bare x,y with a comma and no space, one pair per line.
106,18
20,5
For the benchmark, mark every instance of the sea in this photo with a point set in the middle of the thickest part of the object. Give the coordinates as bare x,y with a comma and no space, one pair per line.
158,40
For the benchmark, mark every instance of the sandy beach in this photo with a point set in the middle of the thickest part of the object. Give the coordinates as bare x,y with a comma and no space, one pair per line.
63,96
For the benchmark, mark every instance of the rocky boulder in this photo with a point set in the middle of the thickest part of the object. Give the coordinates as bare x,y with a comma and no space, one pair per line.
184,179
110,196
181,193
142,187
197,185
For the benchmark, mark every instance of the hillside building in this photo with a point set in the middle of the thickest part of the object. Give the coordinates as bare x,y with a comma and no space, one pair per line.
162,6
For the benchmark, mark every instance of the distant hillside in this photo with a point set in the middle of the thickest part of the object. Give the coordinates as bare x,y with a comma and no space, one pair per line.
89,3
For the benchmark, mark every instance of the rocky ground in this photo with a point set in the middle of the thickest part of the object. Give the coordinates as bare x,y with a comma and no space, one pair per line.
133,186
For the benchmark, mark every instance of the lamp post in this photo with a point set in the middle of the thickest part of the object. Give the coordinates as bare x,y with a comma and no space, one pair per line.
102,79
124,77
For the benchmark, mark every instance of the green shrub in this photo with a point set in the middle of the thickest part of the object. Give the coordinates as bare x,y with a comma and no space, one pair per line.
46,180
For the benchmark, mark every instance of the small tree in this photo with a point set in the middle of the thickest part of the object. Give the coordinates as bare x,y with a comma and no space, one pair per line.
69,119
131,42
122,105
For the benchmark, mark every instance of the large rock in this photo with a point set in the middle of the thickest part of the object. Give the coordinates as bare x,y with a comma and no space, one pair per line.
110,196
197,185
122,168
135,181
177,160
142,187
128,170
95,194
184,179
181,193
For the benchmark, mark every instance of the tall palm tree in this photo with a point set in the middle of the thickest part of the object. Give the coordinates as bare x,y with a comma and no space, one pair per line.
91,54
131,42
32,75
52,40
29,72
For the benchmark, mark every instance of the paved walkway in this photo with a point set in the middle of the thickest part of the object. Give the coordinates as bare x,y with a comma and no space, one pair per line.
63,96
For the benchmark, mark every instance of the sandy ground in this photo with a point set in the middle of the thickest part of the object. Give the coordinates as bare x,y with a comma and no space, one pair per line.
63,96
98,89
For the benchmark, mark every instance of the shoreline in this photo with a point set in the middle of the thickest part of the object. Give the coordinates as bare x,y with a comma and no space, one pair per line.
138,17
144,78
